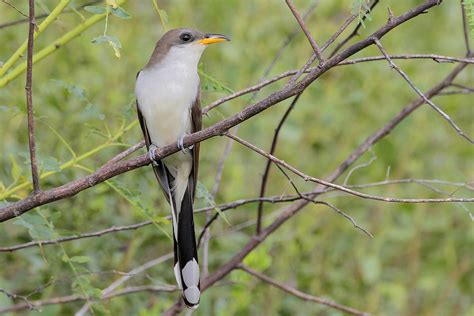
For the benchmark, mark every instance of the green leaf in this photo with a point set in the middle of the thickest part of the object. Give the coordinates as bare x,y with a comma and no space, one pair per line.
50,164
42,232
121,13
33,219
16,169
203,193
163,15
79,259
112,40
95,9
259,259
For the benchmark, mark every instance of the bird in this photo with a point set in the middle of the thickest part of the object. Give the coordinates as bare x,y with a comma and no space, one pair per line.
167,91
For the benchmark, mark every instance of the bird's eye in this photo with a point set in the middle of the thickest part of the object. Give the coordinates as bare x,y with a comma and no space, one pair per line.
186,37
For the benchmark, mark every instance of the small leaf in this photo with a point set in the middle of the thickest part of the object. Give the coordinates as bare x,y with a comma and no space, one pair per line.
95,9
163,15
33,219
121,13
16,169
113,41
101,39
42,232
80,259
50,164
65,258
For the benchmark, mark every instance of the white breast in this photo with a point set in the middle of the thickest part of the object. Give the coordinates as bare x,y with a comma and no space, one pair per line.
166,93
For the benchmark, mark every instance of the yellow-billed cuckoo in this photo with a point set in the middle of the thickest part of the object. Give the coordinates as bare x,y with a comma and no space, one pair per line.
168,106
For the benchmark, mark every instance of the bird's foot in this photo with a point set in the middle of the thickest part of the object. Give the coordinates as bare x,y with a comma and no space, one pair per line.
181,143
151,154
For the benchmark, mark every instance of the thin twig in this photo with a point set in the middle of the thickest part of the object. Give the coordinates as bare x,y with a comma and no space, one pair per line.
338,32
109,291
42,16
412,85
355,32
262,84
17,10
310,38
333,207
340,187
35,305
290,290
126,152
268,165
29,98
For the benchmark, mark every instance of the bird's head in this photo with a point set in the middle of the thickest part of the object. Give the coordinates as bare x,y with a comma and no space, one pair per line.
185,44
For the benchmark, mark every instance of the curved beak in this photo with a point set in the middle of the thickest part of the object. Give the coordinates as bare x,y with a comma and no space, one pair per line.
213,38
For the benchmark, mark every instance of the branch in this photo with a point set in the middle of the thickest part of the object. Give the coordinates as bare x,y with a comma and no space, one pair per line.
35,305
110,290
310,38
425,99
299,294
51,48
29,98
268,165
21,50
44,15
262,84
340,187
333,207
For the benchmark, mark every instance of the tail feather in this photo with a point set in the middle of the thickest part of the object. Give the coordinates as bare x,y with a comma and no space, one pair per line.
187,253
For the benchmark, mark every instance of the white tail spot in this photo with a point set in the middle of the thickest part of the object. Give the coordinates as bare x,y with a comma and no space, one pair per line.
192,295
191,273
177,275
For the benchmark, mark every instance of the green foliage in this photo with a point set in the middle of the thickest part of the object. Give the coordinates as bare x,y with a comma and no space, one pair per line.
469,7
362,9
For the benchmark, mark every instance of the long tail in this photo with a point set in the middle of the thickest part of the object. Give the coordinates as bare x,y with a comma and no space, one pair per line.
187,267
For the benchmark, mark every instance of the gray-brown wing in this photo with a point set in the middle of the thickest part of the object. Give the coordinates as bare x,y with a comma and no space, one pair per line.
161,173
196,119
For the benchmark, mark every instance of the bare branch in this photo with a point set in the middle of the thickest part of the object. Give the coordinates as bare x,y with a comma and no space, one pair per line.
262,84
310,38
18,10
109,291
434,57
412,85
340,187
268,165
126,152
290,290
35,305
42,16
333,207
29,97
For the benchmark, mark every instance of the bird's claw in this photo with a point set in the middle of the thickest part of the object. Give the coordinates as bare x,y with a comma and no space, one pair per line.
181,143
151,154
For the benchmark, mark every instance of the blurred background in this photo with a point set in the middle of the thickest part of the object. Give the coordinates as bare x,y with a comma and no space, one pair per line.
418,262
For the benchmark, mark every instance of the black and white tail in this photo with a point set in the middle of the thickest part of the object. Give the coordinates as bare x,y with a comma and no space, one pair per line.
186,267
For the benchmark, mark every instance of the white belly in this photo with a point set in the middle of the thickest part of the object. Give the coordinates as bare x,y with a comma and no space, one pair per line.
165,96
